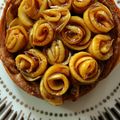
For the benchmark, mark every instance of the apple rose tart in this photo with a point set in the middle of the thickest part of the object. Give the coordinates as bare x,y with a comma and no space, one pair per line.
84,68
41,34
55,84
16,38
101,47
76,35
57,53
32,64
30,10
98,18
59,50
58,17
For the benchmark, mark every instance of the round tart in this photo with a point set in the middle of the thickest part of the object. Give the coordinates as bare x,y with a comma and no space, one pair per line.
59,50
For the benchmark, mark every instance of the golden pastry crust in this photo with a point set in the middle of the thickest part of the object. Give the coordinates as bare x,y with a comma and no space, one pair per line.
75,88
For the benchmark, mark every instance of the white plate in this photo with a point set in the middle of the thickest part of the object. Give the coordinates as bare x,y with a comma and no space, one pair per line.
101,103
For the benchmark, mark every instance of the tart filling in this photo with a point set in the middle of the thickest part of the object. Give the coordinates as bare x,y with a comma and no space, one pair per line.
59,50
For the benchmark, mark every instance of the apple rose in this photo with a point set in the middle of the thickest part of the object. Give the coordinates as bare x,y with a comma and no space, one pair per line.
57,17
55,84
84,68
41,34
101,47
31,9
63,3
79,6
98,18
57,53
16,38
76,35
32,64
